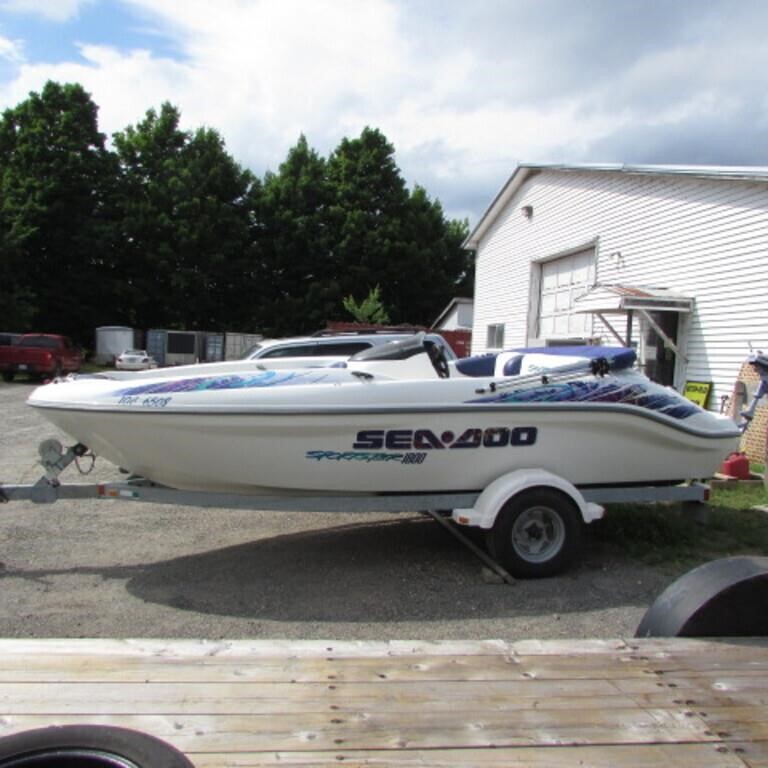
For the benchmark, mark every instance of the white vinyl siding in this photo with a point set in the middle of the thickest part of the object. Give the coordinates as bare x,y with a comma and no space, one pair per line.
701,237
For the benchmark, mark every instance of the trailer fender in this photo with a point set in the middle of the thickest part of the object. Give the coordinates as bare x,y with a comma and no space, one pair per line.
501,490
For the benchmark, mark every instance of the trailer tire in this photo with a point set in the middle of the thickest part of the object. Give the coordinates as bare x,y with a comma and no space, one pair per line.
88,746
8,376
722,598
536,533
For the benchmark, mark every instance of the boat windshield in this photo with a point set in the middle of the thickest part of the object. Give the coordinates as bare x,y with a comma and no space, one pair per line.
401,349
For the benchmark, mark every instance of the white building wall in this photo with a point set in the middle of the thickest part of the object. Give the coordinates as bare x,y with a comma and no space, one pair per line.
451,321
705,238
459,318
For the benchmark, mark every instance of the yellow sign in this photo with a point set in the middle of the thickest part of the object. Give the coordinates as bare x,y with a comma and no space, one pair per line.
698,392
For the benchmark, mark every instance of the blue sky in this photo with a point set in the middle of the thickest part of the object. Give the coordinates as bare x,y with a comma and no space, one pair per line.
463,90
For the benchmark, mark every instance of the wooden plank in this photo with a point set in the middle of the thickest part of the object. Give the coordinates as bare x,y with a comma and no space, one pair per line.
252,703
265,698
651,756
62,667
381,730
256,649
253,649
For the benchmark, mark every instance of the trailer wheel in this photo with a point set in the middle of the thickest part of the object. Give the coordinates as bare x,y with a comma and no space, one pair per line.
8,376
88,746
536,533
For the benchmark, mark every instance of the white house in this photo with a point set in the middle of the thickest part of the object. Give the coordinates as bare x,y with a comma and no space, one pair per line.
671,259
456,316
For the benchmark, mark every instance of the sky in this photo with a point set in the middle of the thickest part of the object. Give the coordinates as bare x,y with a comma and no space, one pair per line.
464,90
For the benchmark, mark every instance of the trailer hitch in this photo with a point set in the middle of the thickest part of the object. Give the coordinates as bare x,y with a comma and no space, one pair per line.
54,459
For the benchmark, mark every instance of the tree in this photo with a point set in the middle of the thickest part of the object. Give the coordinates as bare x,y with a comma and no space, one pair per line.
384,235
18,304
185,225
300,284
54,213
369,202
328,229
437,266
369,310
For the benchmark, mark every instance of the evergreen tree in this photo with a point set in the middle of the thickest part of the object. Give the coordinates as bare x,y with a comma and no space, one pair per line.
54,214
185,225
301,284
384,235
369,310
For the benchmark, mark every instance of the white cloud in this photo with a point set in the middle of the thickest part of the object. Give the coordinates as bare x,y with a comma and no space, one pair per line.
265,72
11,50
52,10
462,92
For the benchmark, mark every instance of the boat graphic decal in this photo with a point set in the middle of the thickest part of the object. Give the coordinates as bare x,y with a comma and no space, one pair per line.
412,446
368,457
234,381
597,392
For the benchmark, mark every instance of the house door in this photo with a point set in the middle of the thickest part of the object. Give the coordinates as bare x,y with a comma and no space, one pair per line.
658,359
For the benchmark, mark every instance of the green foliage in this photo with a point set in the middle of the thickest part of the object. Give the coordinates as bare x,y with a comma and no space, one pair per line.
299,283
185,226
384,235
369,310
54,190
168,231
670,535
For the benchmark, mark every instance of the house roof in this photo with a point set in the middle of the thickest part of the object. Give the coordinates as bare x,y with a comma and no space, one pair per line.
526,170
451,304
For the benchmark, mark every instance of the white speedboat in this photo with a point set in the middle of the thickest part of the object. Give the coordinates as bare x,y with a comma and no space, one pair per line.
394,419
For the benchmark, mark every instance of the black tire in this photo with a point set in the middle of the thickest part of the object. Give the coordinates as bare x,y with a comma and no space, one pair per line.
8,376
536,534
722,598
88,746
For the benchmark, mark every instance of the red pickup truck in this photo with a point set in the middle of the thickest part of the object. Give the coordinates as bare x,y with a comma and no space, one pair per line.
40,355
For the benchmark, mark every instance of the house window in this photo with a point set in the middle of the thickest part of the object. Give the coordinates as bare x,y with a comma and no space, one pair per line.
495,338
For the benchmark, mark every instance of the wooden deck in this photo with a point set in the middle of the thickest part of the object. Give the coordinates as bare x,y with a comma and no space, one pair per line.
264,703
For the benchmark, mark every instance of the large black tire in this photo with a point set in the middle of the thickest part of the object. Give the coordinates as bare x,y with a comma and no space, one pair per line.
536,534
88,746
8,376
722,598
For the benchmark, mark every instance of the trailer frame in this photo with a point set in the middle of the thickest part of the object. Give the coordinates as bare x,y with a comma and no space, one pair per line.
539,539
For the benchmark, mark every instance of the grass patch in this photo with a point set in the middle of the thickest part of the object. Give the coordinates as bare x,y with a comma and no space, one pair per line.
668,534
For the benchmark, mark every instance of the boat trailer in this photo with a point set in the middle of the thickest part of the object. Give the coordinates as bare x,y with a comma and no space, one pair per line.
531,518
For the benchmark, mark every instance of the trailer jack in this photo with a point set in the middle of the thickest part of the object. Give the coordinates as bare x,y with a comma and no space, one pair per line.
54,459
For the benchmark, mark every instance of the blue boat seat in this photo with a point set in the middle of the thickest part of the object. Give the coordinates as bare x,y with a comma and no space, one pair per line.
479,365
513,362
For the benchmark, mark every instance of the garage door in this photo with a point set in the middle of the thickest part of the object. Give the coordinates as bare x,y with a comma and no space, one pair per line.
563,280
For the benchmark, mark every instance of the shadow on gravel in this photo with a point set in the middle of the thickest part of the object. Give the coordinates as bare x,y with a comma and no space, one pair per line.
398,571
405,570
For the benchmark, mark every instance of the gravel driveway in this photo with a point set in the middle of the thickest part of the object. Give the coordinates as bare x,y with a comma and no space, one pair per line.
120,569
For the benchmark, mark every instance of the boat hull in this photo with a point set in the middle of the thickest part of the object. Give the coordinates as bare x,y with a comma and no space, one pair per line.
436,448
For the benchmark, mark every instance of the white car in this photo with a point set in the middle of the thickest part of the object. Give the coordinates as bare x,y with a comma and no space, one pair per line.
327,348
134,360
